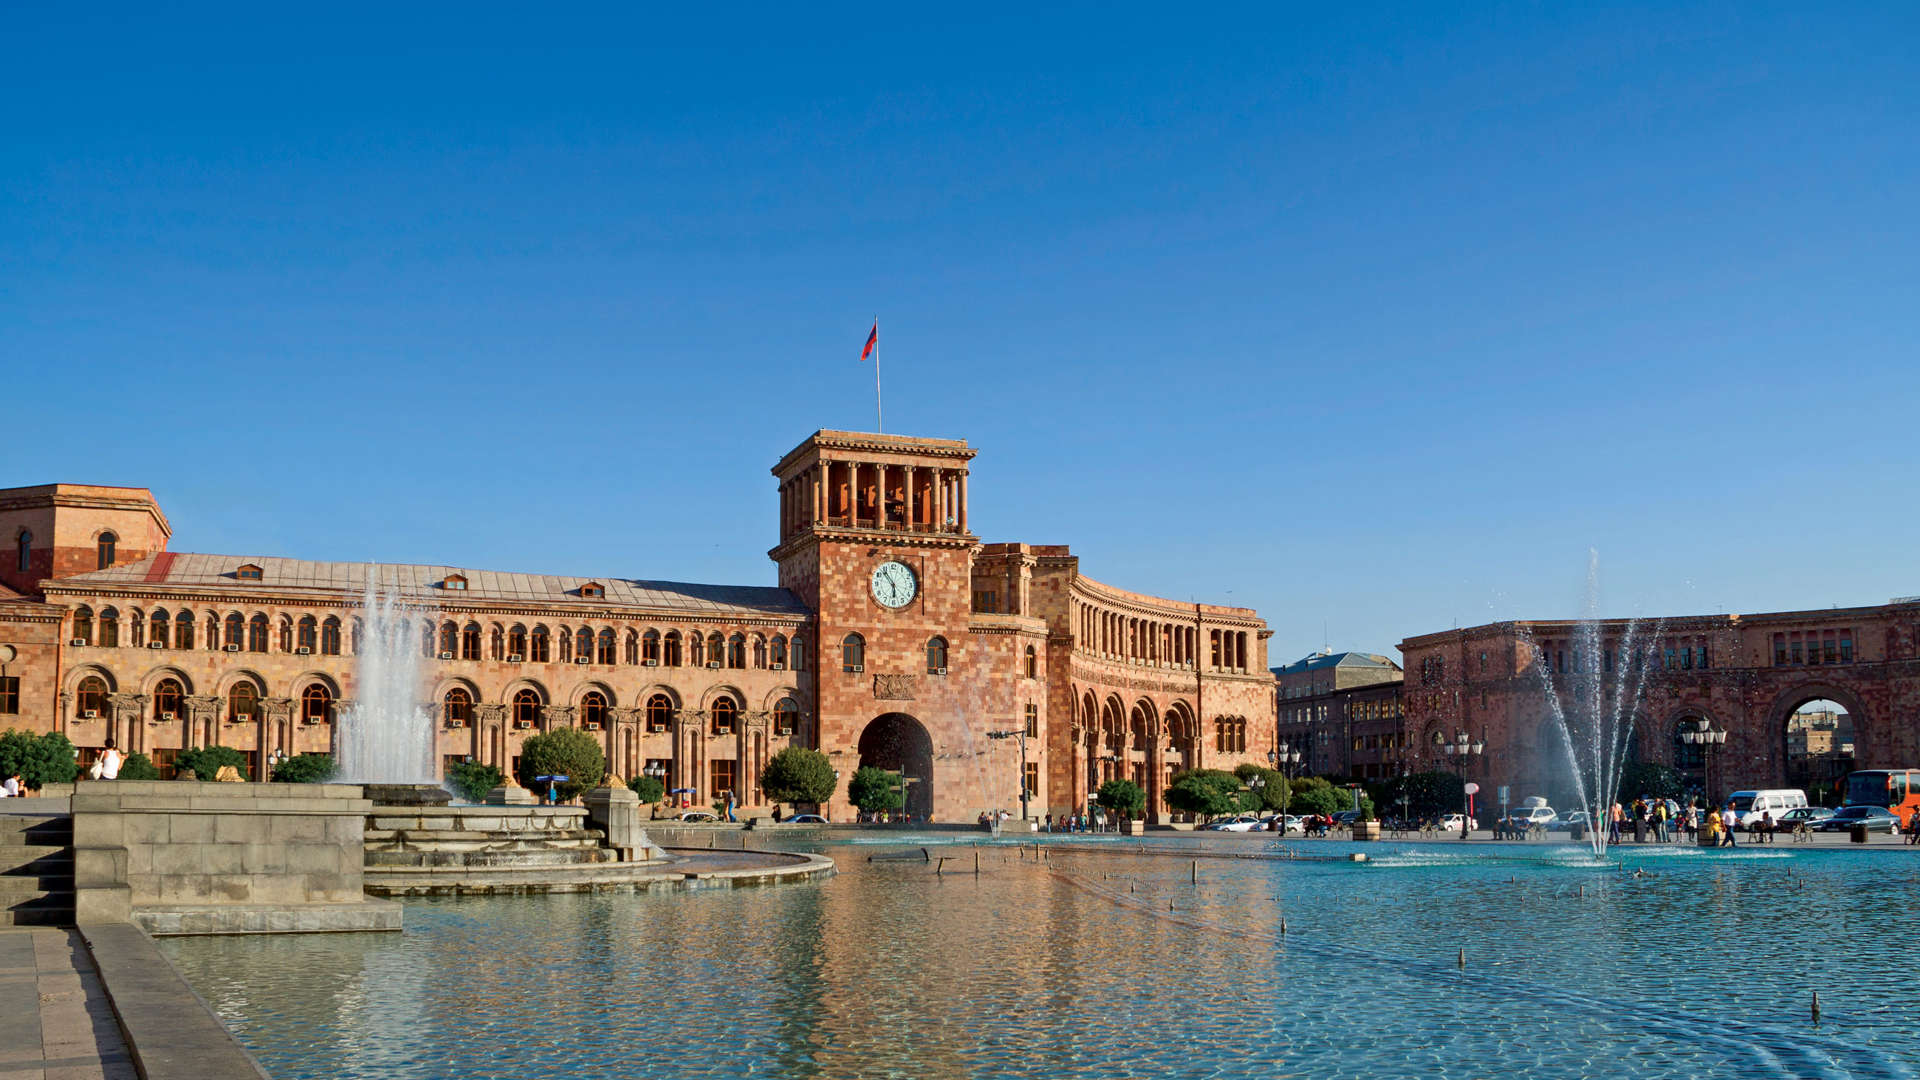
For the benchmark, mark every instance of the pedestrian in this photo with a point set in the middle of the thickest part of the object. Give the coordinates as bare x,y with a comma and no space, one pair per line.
1913,827
1614,814
1727,823
1049,822
1660,822
10,787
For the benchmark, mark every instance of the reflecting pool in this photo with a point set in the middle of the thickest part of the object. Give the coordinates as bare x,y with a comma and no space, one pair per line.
1108,957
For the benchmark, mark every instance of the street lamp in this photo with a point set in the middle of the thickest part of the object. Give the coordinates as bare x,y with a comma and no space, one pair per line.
1463,747
1287,758
1021,734
1707,738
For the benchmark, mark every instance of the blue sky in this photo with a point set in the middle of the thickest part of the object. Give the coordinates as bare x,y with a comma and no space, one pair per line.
1376,320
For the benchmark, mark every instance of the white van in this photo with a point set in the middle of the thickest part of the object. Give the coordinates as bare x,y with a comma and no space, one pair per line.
1748,806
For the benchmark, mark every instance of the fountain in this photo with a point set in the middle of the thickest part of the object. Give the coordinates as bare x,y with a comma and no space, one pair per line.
386,738
1592,704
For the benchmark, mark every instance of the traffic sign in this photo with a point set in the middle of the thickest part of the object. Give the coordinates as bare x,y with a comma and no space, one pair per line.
1473,788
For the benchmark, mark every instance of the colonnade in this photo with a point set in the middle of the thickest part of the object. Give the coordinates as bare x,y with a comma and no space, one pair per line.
870,495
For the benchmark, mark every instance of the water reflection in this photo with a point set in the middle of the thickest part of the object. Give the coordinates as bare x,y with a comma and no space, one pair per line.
1103,960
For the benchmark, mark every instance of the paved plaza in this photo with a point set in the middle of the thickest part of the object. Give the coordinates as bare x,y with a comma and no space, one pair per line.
55,1022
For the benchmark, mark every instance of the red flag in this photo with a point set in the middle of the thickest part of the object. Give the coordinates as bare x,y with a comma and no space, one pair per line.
873,341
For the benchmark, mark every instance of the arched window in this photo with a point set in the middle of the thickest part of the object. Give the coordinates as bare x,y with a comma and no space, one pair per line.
593,710
470,641
563,640
583,644
136,628
716,650
673,648
737,651
159,628
330,636
777,651
497,643
723,712
236,631
83,624
257,633
309,638
526,708
183,630
937,656
449,640
659,712
90,700
243,703
633,647
286,634
104,549
537,650
759,653
1033,663
517,642
853,653
650,648
786,717
696,649
168,700
799,652
456,708
316,705
605,654
24,548
109,628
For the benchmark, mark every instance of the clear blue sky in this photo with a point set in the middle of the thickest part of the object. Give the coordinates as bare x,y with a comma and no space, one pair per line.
1376,320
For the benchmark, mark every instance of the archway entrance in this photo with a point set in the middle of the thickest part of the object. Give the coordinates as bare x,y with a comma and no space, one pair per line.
1821,748
897,742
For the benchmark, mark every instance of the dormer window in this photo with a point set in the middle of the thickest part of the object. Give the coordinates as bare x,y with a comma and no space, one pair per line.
248,572
454,581
593,590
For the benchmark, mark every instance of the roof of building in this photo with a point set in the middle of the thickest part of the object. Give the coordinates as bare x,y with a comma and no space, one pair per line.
220,572
1321,660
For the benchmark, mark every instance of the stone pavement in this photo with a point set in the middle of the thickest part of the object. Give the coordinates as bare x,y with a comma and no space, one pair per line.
55,1021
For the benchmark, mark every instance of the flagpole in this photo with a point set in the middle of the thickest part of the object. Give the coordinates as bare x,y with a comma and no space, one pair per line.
879,417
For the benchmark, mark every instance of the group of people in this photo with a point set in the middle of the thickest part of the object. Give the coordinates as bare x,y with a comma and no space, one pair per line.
1090,821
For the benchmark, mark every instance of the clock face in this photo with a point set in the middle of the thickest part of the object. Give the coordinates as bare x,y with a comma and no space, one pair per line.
893,584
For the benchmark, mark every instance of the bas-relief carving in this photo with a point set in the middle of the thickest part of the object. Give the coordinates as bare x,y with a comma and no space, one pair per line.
894,687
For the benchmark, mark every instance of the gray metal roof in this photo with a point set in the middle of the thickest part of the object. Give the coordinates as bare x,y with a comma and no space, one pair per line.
218,573
1322,661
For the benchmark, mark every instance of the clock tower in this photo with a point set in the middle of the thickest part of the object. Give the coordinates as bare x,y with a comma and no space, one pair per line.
874,538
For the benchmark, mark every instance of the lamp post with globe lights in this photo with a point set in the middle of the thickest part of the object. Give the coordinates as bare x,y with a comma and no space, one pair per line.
1463,748
1708,738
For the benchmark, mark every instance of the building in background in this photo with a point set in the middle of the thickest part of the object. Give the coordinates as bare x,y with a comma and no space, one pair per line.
1342,712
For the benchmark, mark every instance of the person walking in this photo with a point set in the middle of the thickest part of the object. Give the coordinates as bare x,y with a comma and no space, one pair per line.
1913,827
1614,816
1660,833
1727,823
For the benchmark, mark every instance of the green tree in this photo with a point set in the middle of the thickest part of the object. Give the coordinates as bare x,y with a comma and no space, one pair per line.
38,760
1271,793
1429,794
874,789
139,767
1318,795
567,752
205,761
1122,797
301,769
1210,792
798,774
650,789
472,780
1652,779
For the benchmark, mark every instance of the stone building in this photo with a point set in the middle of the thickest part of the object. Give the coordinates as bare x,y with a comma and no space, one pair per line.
894,637
1748,675
1342,712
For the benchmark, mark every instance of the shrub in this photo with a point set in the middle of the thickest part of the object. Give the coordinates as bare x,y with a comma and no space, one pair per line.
1122,797
205,761
472,780
567,752
38,760
1273,792
798,774
650,788
875,789
1205,791
139,767
303,769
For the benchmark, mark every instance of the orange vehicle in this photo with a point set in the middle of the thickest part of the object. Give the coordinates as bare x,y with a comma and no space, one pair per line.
1896,789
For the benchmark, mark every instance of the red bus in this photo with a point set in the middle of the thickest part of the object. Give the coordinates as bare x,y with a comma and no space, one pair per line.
1896,789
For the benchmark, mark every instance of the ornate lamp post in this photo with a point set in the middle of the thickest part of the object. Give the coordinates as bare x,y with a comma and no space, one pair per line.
1708,738
1287,759
1021,734
1458,751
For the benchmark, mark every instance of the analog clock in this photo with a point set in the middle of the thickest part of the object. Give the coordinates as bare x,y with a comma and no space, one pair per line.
894,584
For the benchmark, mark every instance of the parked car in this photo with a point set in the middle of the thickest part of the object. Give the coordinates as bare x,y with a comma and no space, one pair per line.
1451,822
1526,817
1346,818
1293,823
1567,820
697,815
1812,815
1236,823
806,819
1875,818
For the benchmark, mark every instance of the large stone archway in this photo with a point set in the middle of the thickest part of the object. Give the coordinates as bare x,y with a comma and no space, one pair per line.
1820,775
899,743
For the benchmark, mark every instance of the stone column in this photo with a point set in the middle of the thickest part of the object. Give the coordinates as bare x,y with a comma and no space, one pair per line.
203,713
939,490
912,474
963,501
488,721
124,713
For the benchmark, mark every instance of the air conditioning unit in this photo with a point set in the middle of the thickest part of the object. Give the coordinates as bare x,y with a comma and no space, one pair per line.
777,666
856,667
714,664
583,659
456,723
446,656
591,726
156,644
313,720
649,663
523,723
304,650
939,671
89,714
516,658
77,641
166,717
232,648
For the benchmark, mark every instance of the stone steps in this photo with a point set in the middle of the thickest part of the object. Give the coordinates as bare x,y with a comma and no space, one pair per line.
36,871
491,858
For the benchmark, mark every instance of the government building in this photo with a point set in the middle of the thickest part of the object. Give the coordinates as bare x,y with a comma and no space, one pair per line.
894,637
